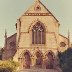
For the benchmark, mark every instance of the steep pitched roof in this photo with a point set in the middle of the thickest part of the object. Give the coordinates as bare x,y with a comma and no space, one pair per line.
11,36
63,36
38,8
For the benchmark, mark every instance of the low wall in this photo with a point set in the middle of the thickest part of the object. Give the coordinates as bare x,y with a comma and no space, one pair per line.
38,70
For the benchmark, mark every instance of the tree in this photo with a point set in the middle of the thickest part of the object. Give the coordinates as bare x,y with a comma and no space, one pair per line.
8,66
66,60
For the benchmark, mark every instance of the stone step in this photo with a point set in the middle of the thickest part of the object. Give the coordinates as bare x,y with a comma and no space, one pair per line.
38,70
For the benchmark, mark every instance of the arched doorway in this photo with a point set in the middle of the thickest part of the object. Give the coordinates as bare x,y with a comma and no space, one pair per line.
39,60
38,33
50,60
26,60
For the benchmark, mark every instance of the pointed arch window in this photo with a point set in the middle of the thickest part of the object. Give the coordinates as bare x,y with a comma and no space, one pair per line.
26,60
38,33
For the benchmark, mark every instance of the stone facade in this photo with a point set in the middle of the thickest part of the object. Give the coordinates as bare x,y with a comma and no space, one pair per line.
28,51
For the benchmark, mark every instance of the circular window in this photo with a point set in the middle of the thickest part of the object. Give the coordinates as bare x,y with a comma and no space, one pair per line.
37,8
62,44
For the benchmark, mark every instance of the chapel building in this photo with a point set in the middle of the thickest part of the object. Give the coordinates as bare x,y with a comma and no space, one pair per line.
37,37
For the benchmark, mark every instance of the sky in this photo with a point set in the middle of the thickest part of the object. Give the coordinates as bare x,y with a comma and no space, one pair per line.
11,10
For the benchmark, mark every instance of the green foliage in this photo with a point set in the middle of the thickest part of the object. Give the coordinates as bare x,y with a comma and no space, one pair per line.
67,67
9,65
66,60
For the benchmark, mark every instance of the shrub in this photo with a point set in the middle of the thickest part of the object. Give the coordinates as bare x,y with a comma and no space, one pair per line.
66,60
8,65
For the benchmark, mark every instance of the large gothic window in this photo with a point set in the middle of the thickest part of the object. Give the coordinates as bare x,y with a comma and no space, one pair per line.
38,34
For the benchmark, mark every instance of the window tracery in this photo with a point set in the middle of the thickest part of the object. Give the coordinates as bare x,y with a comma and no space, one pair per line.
38,34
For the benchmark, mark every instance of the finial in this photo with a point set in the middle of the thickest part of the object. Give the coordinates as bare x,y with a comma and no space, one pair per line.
37,0
5,39
5,33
